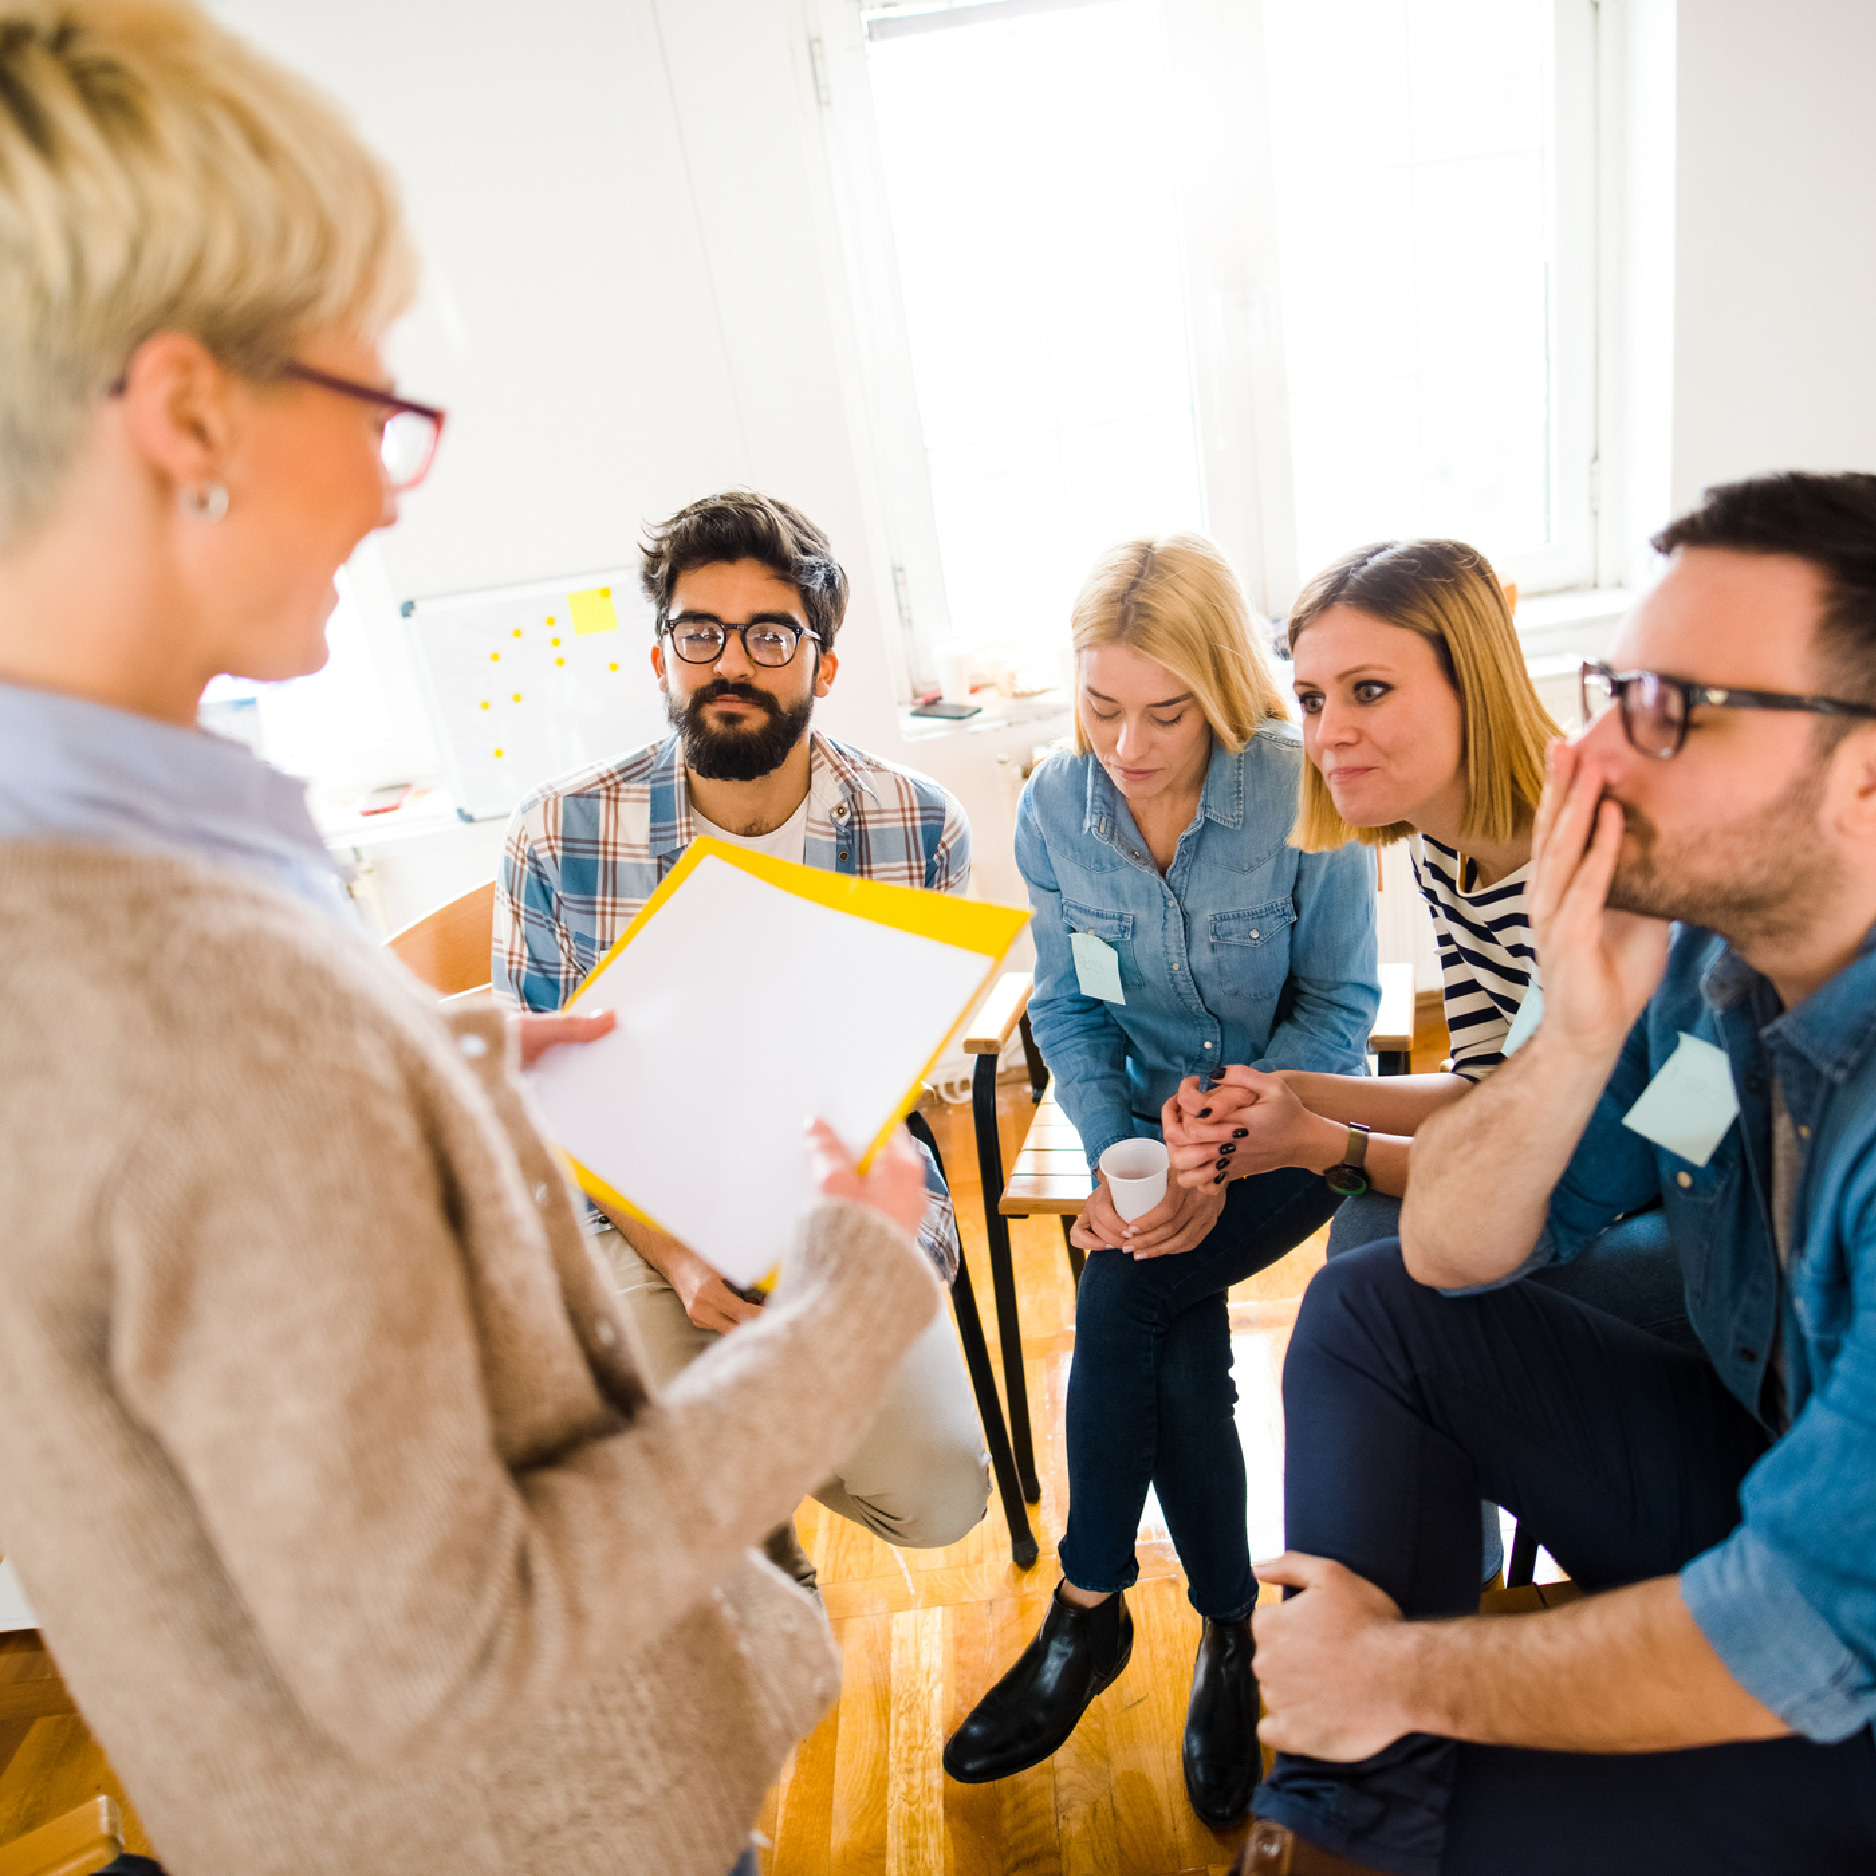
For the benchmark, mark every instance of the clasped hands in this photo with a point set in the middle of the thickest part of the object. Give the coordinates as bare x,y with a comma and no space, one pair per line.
1246,1122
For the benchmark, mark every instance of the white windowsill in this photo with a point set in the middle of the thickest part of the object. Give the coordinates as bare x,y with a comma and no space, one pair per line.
1557,630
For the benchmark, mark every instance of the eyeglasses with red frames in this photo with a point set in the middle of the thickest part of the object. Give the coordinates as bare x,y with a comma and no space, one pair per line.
407,438
409,435
1654,709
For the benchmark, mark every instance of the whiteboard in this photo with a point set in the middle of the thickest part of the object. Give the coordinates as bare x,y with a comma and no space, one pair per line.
693,1107
526,684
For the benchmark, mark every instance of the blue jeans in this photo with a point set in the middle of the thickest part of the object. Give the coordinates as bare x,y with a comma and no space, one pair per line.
1403,1406
1151,1400
1632,1271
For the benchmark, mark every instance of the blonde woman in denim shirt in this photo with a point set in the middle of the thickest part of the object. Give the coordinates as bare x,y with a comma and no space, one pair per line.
1176,930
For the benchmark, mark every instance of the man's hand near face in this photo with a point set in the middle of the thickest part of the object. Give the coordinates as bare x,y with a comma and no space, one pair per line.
1514,1136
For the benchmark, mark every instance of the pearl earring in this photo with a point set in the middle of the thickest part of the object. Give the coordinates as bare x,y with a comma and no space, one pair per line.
207,501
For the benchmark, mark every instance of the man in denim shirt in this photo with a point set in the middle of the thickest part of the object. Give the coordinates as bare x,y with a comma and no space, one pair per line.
1710,1707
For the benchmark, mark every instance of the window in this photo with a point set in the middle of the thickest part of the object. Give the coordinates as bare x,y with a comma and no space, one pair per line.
1300,275
347,728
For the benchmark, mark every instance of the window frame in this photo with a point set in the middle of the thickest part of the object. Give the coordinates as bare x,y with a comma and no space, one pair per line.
1228,213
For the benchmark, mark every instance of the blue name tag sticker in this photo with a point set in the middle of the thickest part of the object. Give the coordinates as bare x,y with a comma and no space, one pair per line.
1691,1102
1530,1014
1097,967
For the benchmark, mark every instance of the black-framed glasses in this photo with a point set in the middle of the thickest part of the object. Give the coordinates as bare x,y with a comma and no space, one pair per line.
409,435
1654,708
700,639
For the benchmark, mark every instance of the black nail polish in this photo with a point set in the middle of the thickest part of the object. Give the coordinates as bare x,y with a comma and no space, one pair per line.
1240,1133
1205,1113
1219,1180
1230,1146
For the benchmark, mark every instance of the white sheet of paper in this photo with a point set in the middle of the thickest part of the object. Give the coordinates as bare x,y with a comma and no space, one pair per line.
1530,1014
1691,1102
14,1611
1097,967
744,1011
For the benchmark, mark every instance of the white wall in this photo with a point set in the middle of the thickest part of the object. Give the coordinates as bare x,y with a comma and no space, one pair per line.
1775,242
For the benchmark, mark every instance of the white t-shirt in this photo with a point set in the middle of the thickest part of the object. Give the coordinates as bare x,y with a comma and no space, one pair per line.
787,842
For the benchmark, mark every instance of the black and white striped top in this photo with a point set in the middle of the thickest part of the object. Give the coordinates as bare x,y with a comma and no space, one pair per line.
1487,960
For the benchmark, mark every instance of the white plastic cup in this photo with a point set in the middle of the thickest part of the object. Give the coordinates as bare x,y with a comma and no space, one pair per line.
1136,1176
954,671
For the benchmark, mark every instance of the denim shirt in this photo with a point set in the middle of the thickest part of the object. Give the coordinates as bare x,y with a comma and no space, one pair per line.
1246,951
1788,1601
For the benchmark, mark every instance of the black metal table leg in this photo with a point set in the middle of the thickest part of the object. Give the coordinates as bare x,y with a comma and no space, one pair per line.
1394,1061
1002,1272
1032,1057
990,1411
1075,1258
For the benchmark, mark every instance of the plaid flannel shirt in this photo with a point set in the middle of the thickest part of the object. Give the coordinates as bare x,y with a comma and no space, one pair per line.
583,855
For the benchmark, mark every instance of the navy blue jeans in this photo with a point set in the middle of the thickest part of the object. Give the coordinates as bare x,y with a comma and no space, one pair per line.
1151,1400
1402,1408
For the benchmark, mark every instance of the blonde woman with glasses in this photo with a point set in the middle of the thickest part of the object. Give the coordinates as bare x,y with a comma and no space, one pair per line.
324,1462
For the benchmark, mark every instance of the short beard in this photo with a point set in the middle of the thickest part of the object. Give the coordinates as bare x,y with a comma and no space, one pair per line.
1760,880
736,755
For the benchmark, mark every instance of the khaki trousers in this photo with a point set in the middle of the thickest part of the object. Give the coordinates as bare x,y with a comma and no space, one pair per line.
920,1478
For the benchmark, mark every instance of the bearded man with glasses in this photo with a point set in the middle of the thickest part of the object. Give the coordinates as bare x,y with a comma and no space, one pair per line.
1704,905
748,598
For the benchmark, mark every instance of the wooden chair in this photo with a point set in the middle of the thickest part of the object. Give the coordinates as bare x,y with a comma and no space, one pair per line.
1051,1171
449,948
76,1844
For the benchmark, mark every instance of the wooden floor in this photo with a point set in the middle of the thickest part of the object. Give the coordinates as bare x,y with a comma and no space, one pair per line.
925,1632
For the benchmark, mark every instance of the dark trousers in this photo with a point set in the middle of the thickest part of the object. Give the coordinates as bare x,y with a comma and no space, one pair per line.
1403,1408
1151,1400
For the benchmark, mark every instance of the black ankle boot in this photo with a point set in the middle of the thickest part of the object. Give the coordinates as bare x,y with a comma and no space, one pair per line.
1034,1708
1221,1756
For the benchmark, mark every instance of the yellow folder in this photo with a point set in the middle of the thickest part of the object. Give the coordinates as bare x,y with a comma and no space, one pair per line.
751,994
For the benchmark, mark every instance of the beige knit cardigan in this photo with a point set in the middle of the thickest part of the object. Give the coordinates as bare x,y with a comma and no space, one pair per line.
323,1457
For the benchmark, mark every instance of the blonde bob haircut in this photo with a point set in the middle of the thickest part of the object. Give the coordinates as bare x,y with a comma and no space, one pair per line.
1175,598
158,175
1448,593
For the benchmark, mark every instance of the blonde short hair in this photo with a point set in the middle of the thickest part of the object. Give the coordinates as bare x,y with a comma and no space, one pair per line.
158,175
1177,599
1448,593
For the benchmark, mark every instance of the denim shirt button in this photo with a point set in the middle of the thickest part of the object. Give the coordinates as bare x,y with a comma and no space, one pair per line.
1683,1180
1208,1045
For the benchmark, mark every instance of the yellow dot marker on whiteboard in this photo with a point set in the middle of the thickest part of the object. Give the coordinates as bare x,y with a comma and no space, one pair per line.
485,706
560,661
495,657
517,631
552,641
517,696
612,667
498,752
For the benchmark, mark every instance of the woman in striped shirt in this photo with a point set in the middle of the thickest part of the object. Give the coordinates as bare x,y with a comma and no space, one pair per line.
1421,723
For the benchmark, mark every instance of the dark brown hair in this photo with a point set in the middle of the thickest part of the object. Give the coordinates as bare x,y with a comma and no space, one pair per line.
1829,520
741,524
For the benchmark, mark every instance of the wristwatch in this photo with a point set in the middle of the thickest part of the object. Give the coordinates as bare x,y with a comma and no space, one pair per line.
1346,1176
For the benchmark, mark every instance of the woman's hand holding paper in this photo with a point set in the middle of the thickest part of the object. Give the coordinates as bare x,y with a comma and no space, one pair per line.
537,1034
893,1184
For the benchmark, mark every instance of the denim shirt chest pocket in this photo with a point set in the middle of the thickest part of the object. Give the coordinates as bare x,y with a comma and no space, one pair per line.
1114,929
1249,952
1699,1202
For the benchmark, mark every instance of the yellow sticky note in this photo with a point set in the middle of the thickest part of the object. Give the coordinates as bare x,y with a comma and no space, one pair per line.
592,610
